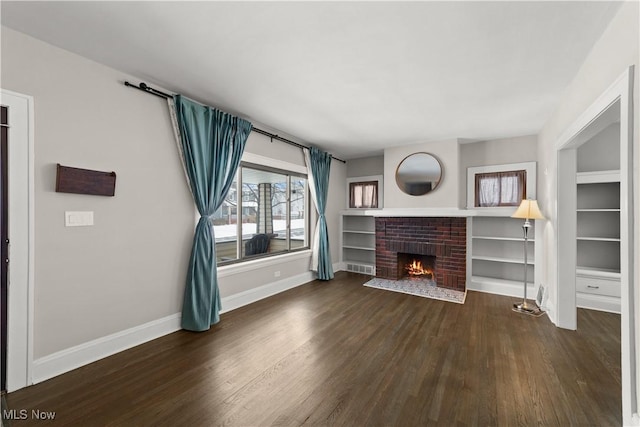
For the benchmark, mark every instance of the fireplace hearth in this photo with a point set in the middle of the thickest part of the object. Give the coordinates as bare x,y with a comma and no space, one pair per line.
439,243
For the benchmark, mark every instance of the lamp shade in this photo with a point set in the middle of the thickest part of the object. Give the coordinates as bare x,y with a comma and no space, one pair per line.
528,209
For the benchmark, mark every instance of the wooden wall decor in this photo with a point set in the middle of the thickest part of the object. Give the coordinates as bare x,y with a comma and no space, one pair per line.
85,181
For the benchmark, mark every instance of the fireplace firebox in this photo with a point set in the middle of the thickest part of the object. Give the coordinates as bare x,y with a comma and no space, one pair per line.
416,266
443,239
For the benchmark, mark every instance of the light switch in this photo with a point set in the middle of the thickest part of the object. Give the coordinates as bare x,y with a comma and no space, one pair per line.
78,218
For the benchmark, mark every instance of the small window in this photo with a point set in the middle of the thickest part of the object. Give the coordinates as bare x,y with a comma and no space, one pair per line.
363,194
500,188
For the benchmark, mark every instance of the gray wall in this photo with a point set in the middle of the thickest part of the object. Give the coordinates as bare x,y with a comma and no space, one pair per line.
444,196
495,152
602,152
129,268
365,166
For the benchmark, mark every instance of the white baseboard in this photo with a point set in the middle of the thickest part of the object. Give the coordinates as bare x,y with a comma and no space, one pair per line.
500,287
72,358
252,295
598,302
69,359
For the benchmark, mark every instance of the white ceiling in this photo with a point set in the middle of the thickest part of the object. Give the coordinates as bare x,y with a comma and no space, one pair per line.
350,77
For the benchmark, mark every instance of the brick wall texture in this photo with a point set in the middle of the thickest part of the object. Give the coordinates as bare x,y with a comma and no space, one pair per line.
444,238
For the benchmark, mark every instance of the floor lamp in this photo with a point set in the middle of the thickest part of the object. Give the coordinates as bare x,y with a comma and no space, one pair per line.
527,210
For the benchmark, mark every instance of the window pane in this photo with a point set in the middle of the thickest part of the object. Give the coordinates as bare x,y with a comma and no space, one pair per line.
263,200
225,226
509,190
488,191
298,236
279,209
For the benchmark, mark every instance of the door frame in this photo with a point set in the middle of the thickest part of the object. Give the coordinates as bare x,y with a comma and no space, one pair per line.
565,225
22,239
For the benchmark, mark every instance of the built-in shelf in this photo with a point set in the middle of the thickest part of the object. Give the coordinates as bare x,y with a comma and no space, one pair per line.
358,245
593,177
598,272
361,248
358,231
505,239
497,259
501,259
598,240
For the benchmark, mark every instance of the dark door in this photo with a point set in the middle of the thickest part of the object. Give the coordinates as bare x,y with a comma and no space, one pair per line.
4,233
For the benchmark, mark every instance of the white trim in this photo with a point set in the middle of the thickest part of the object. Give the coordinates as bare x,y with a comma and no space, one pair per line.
72,358
244,266
411,212
598,302
22,240
499,287
565,225
378,178
274,163
250,296
529,167
598,176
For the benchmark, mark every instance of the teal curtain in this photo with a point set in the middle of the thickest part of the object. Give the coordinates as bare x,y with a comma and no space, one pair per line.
211,144
319,164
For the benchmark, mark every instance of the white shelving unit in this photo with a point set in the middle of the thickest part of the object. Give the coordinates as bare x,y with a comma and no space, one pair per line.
598,240
358,245
497,255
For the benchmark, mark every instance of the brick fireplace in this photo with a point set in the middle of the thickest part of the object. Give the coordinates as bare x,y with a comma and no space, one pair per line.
444,238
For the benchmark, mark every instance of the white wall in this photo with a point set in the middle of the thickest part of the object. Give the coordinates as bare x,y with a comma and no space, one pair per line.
616,50
130,267
444,196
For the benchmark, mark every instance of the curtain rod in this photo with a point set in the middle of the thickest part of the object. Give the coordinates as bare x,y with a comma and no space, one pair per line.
145,88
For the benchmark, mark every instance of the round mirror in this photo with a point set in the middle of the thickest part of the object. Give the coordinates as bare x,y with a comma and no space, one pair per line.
418,174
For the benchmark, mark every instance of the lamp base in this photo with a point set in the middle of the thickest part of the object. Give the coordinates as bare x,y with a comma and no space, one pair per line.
528,308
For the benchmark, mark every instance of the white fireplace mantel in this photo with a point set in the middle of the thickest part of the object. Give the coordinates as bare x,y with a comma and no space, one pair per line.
412,212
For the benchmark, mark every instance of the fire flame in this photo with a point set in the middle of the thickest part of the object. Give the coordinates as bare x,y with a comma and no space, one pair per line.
415,268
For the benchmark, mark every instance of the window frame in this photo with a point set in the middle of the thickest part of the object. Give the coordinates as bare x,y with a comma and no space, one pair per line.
283,168
365,179
530,191
521,174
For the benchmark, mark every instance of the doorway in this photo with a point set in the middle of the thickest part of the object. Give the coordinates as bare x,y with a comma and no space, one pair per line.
612,109
19,185
4,239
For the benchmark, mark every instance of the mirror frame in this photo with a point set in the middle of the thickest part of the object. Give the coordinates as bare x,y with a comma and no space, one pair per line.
437,183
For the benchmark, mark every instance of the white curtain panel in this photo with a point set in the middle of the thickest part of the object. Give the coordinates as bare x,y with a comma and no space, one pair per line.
489,192
315,244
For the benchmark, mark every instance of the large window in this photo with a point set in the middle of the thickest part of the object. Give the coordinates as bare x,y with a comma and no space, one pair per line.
265,213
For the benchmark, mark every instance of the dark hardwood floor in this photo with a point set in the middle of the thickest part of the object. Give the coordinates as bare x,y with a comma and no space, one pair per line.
338,353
